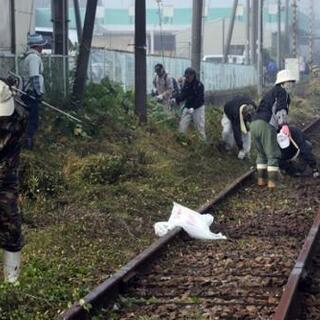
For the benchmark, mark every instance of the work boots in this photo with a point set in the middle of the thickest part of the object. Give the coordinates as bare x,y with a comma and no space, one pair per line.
262,177
273,177
11,265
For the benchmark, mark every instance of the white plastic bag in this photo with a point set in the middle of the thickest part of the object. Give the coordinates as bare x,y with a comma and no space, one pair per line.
194,223
161,228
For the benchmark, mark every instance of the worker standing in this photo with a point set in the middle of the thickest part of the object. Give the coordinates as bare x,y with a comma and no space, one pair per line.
271,117
33,82
13,123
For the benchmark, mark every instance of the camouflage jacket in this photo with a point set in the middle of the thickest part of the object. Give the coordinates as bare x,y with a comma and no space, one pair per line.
12,131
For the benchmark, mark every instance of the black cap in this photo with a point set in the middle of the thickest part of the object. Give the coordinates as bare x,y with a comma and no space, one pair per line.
158,66
189,72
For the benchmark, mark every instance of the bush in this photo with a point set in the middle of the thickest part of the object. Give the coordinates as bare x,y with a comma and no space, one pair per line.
94,169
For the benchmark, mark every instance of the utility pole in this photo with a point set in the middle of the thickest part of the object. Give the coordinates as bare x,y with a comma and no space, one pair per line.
260,34
140,70
78,19
253,33
197,8
60,26
294,28
286,31
84,52
13,26
279,36
230,31
311,31
247,32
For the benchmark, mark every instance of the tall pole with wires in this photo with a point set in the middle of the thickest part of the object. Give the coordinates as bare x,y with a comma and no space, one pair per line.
159,2
197,9
279,35
13,26
230,31
294,28
247,32
84,52
286,31
253,31
311,30
260,44
140,69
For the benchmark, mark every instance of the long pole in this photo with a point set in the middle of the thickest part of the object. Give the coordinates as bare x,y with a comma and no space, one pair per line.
247,56
279,36
60,26
286,31
140,60
197,8
253,32
84,52
13,26
78,19
260,69
311,31
294,28
230,30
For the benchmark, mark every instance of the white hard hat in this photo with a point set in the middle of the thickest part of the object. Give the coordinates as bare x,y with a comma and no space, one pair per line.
6,100
283,140
285,76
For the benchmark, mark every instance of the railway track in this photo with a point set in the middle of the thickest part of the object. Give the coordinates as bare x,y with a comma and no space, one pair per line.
239,278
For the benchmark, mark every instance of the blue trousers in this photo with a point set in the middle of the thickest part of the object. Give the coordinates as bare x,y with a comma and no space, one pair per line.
33,122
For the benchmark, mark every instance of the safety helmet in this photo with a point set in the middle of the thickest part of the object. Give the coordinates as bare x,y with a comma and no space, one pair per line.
6,100
36,40
285,75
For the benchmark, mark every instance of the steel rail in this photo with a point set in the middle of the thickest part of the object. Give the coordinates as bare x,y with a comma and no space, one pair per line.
289,307
106,292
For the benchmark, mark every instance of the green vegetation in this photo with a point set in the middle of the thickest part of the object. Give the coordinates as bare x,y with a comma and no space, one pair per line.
90,195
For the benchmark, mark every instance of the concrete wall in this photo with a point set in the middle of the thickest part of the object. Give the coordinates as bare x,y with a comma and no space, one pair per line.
5,39
214,36
24,17
114,41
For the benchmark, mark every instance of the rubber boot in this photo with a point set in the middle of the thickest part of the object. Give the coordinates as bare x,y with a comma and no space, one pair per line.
262,177
11,265
273,177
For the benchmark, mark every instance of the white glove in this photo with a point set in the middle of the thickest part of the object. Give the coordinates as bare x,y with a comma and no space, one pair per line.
241,154
190,110
316,174
154,92
159,97
173,101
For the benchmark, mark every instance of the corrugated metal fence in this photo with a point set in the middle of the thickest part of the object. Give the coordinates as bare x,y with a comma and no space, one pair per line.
119,67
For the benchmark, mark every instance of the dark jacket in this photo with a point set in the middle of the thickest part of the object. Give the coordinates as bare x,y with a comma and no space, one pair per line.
12,131
193,94
304,146
232,111
274,107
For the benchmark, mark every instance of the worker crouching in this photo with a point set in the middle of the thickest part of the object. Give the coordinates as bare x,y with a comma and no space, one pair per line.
236,125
